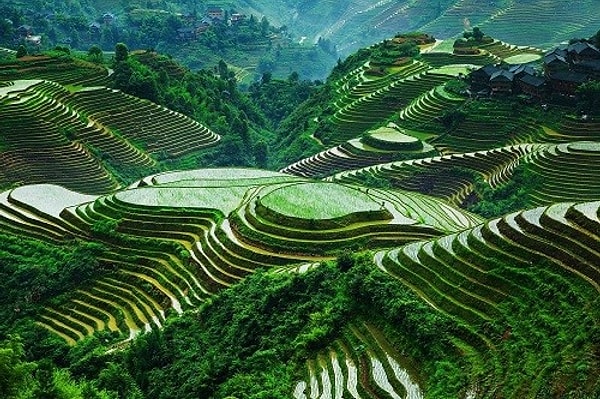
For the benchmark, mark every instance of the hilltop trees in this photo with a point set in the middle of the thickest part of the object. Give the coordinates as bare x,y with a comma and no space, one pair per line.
121,52
21,51
95,54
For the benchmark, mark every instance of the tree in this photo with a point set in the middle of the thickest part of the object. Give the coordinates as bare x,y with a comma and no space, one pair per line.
261,154
121,52
21,51
477,34
223,69
294,77
264,26
15,373
266,78
95,54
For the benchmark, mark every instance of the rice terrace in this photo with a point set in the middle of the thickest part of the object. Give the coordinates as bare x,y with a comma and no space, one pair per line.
423,222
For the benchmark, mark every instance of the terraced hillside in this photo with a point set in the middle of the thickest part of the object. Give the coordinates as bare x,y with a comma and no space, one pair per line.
469,139
377,146
358,23
64,70
58,134
493,272
450,177
175,239
341,371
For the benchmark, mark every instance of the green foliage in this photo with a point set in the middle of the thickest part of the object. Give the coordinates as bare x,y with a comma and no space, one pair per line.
21,51
21,379
15,372
589,97
95,54
121,52
510,197
452,118
279,98
34,272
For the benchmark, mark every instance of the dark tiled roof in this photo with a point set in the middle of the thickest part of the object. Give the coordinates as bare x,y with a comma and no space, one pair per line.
502,75
553,58
581,47
569,76
486,71
589,65
521,68
531,80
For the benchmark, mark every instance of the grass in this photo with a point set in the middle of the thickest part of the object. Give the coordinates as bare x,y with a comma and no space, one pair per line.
48,198
452,70
522,58
319,201
391,135
223,199
215,174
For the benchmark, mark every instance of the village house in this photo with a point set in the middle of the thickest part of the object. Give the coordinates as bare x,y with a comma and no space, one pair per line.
555,63
24,31
216,13
567,82
95,28
565,69
589,67
520,70
236,18
501,82
108,18
534,86
480,78
186,34
582,51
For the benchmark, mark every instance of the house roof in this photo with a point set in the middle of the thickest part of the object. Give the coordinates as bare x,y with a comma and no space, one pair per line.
531,80
554,59
502,76
569,76
560,51
589,65
486,71
214,10
522,69
583,48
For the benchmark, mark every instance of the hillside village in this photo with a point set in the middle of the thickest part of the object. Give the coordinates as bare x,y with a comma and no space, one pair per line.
169,232
563,70
192,24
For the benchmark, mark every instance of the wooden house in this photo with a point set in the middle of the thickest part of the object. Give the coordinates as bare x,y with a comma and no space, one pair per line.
567,82
501,82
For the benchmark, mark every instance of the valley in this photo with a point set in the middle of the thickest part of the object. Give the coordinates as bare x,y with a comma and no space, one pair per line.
424,223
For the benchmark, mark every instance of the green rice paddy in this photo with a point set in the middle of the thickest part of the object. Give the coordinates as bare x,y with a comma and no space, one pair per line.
319,201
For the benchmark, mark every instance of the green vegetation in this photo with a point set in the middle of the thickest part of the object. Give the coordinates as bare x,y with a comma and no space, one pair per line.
327,201
506,198
174,282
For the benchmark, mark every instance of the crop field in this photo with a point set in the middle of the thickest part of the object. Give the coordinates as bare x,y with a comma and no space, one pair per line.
51,135
358,365
191,242
464,232
318,201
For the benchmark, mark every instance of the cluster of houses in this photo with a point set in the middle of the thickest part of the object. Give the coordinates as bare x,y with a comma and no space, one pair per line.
213,15
107,19
564,69
25,33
